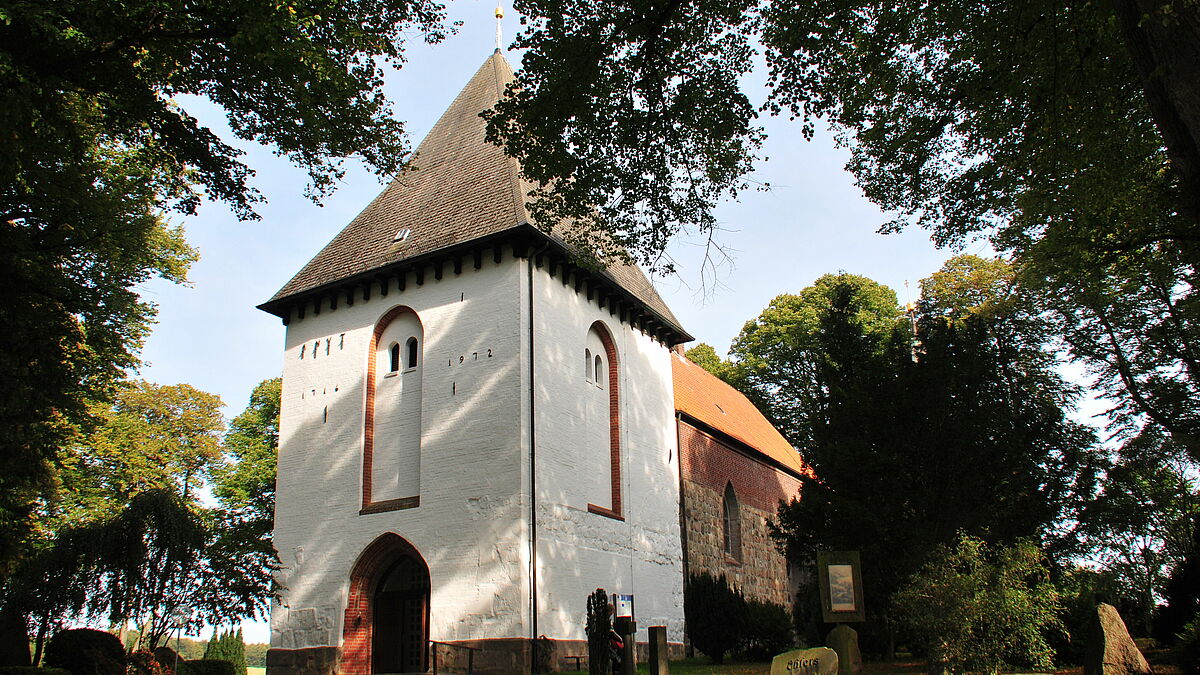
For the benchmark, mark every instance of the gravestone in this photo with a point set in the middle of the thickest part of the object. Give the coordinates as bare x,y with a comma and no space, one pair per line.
819,661
844,640
1110,649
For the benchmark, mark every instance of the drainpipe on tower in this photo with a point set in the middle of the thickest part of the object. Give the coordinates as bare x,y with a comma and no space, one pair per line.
533,599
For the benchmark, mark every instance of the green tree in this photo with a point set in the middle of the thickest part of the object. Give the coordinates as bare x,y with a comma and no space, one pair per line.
715,615
958,116
1134,320
243,554
1141,525
979,608
775,357
164,437
228,646
128,538
1181,592
966,431
245,483
706,357
99,147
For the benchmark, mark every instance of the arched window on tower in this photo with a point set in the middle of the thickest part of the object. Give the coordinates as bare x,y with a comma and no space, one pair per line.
600,425
394,357
392,413
731,521
411,351
587,364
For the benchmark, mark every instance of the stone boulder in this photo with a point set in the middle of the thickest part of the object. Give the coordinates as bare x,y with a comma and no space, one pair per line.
1109,649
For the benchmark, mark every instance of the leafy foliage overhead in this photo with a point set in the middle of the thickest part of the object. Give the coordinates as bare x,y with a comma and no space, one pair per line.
965,118
631,118
98,147
1066,135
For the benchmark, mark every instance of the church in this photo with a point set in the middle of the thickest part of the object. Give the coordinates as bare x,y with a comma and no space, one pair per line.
476,433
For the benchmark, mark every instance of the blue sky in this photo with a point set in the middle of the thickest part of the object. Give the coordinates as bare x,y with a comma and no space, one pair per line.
812,221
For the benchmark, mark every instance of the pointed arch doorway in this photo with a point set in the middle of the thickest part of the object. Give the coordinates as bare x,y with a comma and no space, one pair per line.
401,605
387,616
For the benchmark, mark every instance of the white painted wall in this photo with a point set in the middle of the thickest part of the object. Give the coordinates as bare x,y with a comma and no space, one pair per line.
470,525
578,551
474,475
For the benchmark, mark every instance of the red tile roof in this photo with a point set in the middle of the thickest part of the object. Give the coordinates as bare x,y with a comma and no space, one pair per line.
706,398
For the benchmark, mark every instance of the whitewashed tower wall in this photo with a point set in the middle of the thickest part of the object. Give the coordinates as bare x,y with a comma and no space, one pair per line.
470,525
579,550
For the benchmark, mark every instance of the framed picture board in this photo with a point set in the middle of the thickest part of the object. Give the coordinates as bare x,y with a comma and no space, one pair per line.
839,574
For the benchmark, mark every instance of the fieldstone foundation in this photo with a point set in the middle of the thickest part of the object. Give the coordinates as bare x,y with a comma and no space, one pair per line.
501,656
307,661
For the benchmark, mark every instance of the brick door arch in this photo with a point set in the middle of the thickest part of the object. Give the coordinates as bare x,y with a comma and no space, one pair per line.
358,631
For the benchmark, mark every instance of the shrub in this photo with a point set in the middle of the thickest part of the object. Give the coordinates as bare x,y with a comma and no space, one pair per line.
768,630
143,662
228,646
167,658
715,615
1187,647
32,670
85,651
978,609
1080,589
599,625
1182,594
205,667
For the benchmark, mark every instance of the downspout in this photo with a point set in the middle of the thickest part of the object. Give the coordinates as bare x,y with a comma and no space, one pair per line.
533,599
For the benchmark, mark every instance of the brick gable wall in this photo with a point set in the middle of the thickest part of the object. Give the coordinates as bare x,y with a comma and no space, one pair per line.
707,464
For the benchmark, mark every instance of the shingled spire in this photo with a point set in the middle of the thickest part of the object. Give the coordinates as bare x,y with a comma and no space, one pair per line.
461,191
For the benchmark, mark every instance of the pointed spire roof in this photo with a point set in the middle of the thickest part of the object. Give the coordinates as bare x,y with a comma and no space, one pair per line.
462,189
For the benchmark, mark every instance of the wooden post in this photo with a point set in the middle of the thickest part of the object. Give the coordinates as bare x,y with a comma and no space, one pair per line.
658,651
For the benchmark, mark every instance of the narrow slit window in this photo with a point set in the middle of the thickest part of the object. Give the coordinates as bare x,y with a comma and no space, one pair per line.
587,364
394,358
732,524
411,345
599,369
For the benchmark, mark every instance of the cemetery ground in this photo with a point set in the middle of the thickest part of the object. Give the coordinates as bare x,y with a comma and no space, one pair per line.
1160,660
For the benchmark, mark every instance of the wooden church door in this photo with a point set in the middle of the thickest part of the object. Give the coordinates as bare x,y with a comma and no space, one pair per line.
400,609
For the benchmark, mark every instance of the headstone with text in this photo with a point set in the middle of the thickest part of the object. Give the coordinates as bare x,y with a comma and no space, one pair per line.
818,661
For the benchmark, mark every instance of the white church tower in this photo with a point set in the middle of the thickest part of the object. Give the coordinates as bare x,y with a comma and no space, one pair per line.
475,432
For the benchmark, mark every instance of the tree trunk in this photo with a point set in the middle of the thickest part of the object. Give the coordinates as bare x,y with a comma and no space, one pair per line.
40,642
1163,40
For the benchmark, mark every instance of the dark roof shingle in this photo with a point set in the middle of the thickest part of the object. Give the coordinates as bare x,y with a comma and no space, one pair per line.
461,189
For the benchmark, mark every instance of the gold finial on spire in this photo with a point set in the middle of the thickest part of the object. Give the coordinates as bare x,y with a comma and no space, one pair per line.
499,16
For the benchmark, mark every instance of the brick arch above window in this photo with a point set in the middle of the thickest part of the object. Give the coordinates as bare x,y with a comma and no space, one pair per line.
612,380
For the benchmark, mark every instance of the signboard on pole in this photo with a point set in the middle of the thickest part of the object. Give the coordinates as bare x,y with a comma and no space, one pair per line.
839,574
623,605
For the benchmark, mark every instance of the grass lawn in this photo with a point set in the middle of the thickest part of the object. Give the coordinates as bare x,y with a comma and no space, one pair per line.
701,666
